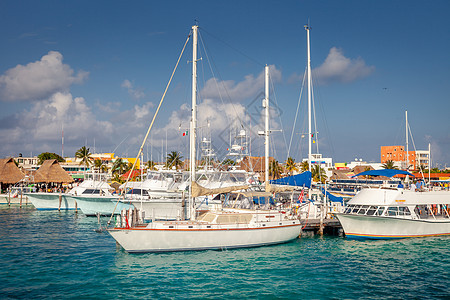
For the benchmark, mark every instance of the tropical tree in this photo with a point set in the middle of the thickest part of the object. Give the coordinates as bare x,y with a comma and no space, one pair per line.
389,165
85,156
97,164
150,165
304,166
275,169
291,166
174,159
318,174
119,167
47,155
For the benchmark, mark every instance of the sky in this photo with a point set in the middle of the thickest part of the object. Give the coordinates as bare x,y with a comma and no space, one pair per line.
95,72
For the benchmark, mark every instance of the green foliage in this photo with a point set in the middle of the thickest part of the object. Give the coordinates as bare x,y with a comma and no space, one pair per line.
318,174
47,155
174,159
85,156
275,169
304,166
150,165
228,162
389,165
291,166
119,167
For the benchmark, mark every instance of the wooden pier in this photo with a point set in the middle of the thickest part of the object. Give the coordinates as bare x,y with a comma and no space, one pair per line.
312,227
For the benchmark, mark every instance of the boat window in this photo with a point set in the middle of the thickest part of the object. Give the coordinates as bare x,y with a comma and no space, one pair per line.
349,209
404,211
371,210
392,211
363,210
91,191
356,208
380,211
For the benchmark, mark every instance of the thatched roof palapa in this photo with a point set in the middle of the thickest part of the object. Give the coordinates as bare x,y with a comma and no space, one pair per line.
51,171
9,172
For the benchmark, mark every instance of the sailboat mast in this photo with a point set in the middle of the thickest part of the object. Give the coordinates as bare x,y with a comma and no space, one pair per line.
309,99
193,124
266,129
407,150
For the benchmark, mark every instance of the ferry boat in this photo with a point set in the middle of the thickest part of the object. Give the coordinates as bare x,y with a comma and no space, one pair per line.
394,213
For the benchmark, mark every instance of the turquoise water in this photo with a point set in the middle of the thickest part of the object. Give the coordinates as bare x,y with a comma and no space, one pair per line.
46,254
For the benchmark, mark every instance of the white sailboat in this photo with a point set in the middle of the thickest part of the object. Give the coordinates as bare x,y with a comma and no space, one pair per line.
217,229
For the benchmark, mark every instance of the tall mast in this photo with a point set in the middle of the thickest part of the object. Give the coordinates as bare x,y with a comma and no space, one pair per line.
193,124
407,150
309,99
266,128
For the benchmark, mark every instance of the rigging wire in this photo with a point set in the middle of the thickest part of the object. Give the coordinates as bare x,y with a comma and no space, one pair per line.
151,125
235,49
296,115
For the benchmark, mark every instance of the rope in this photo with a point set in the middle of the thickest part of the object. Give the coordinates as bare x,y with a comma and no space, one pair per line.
150,127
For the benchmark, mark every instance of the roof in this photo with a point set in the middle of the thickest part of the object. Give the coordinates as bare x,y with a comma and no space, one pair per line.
51,171
9,172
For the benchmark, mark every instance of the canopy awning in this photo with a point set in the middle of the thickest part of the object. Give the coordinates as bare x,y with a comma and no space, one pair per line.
303,179
383,172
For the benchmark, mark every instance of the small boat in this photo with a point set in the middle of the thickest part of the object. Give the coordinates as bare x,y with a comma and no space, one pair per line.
393,213
93,184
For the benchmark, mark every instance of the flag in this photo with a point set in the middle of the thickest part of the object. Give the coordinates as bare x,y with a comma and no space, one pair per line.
185,133
301,196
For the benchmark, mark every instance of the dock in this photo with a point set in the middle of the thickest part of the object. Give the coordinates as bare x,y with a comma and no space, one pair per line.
312,227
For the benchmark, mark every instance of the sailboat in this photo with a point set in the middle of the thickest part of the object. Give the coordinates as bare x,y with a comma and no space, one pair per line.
225,228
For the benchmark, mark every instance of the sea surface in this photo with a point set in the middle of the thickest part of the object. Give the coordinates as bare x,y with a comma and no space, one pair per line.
59,255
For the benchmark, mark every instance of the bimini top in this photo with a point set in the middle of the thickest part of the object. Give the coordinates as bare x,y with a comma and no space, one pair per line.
383,172
303,179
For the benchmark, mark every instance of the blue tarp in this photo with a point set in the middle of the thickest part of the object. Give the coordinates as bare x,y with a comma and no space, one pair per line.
384,172
303,179
332,197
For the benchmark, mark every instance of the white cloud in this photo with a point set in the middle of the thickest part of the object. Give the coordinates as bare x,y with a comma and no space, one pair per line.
38,80
338,68
229,89
135,93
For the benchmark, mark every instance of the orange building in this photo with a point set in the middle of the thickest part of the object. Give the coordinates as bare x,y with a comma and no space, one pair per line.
397,154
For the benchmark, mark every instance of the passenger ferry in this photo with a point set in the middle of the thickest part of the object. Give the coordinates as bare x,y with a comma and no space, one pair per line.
392,213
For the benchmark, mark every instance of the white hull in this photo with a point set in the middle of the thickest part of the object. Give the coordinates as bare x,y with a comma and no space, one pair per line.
103,205
5,199
50,201
375,227
183,238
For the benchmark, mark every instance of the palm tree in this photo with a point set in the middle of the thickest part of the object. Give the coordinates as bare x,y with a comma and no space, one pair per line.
304,166
150,165
97,164
119,167
275,169
85,156
389,165
291,166
318,174
174,160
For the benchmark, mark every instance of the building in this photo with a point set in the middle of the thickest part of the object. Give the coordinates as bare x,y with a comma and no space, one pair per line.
397,154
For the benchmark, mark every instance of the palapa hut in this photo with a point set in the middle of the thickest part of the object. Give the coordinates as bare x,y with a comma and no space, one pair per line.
51,172
9,172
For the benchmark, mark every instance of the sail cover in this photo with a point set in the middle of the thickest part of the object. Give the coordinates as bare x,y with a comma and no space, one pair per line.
332,197
383,172
303,179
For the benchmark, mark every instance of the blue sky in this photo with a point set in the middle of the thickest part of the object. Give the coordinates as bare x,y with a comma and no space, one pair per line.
99,69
